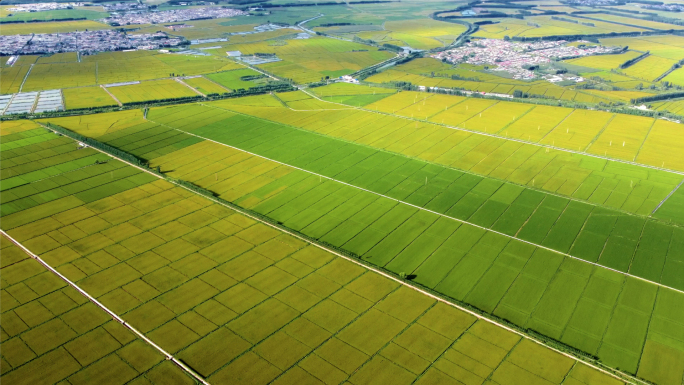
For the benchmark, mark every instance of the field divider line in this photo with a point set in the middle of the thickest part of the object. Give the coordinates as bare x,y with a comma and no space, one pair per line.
513,139
645,138
556,126
25,77
374,269
112,95
9,102
552,193
667,197
190,87
430,211
103,307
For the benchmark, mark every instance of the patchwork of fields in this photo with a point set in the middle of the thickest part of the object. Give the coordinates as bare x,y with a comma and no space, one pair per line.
432,73
536,26
417,34
106,68
309,60
232,298
160,227
423,219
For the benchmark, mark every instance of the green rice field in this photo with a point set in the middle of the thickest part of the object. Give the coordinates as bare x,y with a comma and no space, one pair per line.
387,198
216,289
378,226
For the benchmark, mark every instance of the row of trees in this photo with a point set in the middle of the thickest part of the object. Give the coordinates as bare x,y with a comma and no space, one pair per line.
99,145
659,97
633,61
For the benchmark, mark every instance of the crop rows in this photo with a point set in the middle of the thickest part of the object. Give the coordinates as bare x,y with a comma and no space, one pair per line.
590,232
52,332
234,299
629,188
517,281
110,67
308,60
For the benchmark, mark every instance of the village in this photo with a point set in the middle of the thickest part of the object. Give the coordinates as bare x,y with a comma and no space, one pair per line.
172,16
86,42
516,58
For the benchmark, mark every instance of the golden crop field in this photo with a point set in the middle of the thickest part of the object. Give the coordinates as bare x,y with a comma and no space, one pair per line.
497,118
205,85
12,77
515,27
113,67
622,137
675,77
309,60
668,47
418,33
84,97
537,124
675,106
664,146
425,108
60,75
151,90
578,130
337,89
605,62
461,112
649,68
437,220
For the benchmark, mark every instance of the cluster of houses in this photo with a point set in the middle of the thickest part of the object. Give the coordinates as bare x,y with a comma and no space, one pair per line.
172,16
517,58
86,42
37,7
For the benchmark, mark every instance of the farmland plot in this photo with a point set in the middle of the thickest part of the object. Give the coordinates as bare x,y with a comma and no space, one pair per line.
279,201
568,174
87,97
151,90
231,297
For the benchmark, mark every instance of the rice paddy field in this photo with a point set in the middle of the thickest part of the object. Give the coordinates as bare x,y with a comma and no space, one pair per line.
420,72
605,62
232,79
205,85
674,106
377,205
151,90
87,97
309,60
417,33
106,68
341,233
234,299
549,27
665,46
649,68
350,94
12,78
